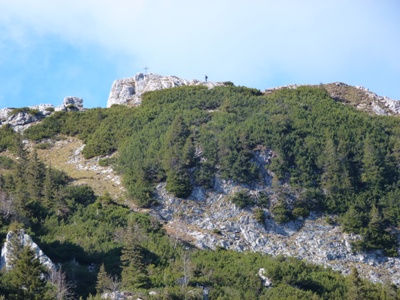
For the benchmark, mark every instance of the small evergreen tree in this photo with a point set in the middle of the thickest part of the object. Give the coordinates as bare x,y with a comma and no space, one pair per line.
103,281
134,273
27,276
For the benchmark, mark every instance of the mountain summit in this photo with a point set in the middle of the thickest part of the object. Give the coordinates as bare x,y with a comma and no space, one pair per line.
128,91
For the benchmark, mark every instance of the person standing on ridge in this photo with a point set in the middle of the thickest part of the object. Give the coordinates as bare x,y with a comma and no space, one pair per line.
206,77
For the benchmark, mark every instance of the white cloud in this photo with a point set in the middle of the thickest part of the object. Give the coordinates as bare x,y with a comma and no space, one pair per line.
299,40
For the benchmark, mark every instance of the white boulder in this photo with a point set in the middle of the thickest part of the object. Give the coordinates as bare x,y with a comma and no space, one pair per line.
26,240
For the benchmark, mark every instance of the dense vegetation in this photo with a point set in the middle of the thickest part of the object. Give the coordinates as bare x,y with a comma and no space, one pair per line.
336,160
102,246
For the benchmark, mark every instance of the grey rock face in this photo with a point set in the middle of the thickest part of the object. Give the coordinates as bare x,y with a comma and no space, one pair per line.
71,103
25,118
128,91
209,220
381,105
21,120
26,240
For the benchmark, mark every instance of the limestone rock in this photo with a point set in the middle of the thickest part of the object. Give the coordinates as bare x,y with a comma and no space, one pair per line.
26,240
128,91
21,119
71,103
4,113
209,220
266,281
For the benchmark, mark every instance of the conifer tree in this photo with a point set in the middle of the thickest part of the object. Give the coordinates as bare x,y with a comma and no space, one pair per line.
372,169
27,276
48,188
355,291
35,177
21,186
134,273
175,160
103,281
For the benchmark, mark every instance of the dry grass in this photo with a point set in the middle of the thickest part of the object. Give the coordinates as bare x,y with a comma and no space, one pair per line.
65,155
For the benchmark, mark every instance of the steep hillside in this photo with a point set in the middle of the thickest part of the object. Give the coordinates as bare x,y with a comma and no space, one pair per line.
292,171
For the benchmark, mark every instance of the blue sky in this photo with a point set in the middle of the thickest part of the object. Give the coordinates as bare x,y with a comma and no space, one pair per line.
53,49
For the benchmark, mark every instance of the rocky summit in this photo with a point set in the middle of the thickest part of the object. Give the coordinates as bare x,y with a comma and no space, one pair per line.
128,91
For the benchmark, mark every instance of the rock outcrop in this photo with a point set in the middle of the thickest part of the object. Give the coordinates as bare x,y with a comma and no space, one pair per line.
363,99
26,240
211,221
128,91
208,220
357,96
71,103
22,118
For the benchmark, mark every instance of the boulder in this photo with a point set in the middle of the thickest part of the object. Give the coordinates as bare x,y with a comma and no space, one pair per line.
71,103
26,240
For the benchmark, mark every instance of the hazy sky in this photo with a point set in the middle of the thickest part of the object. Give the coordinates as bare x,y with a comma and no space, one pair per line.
50,49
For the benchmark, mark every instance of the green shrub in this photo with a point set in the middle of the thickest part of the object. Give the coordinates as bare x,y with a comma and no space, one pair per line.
8,138
300,211
281,212
241,199
28,110
105,162
263,200
217,231
6,162
43,146
259,215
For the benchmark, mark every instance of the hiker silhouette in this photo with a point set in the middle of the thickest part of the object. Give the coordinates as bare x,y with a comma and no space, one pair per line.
206,77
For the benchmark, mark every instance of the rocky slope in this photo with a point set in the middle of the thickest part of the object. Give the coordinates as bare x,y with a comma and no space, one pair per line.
211,221
128,91
357,96
208,219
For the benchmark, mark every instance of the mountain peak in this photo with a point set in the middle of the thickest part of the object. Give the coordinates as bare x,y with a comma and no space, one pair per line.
128,91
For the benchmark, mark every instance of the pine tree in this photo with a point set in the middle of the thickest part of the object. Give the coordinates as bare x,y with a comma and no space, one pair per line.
27,276
14,246
21,187
335,179
330,180
372,169
356,290
376,237
48,188
103,281
134,273
175,160
35,177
